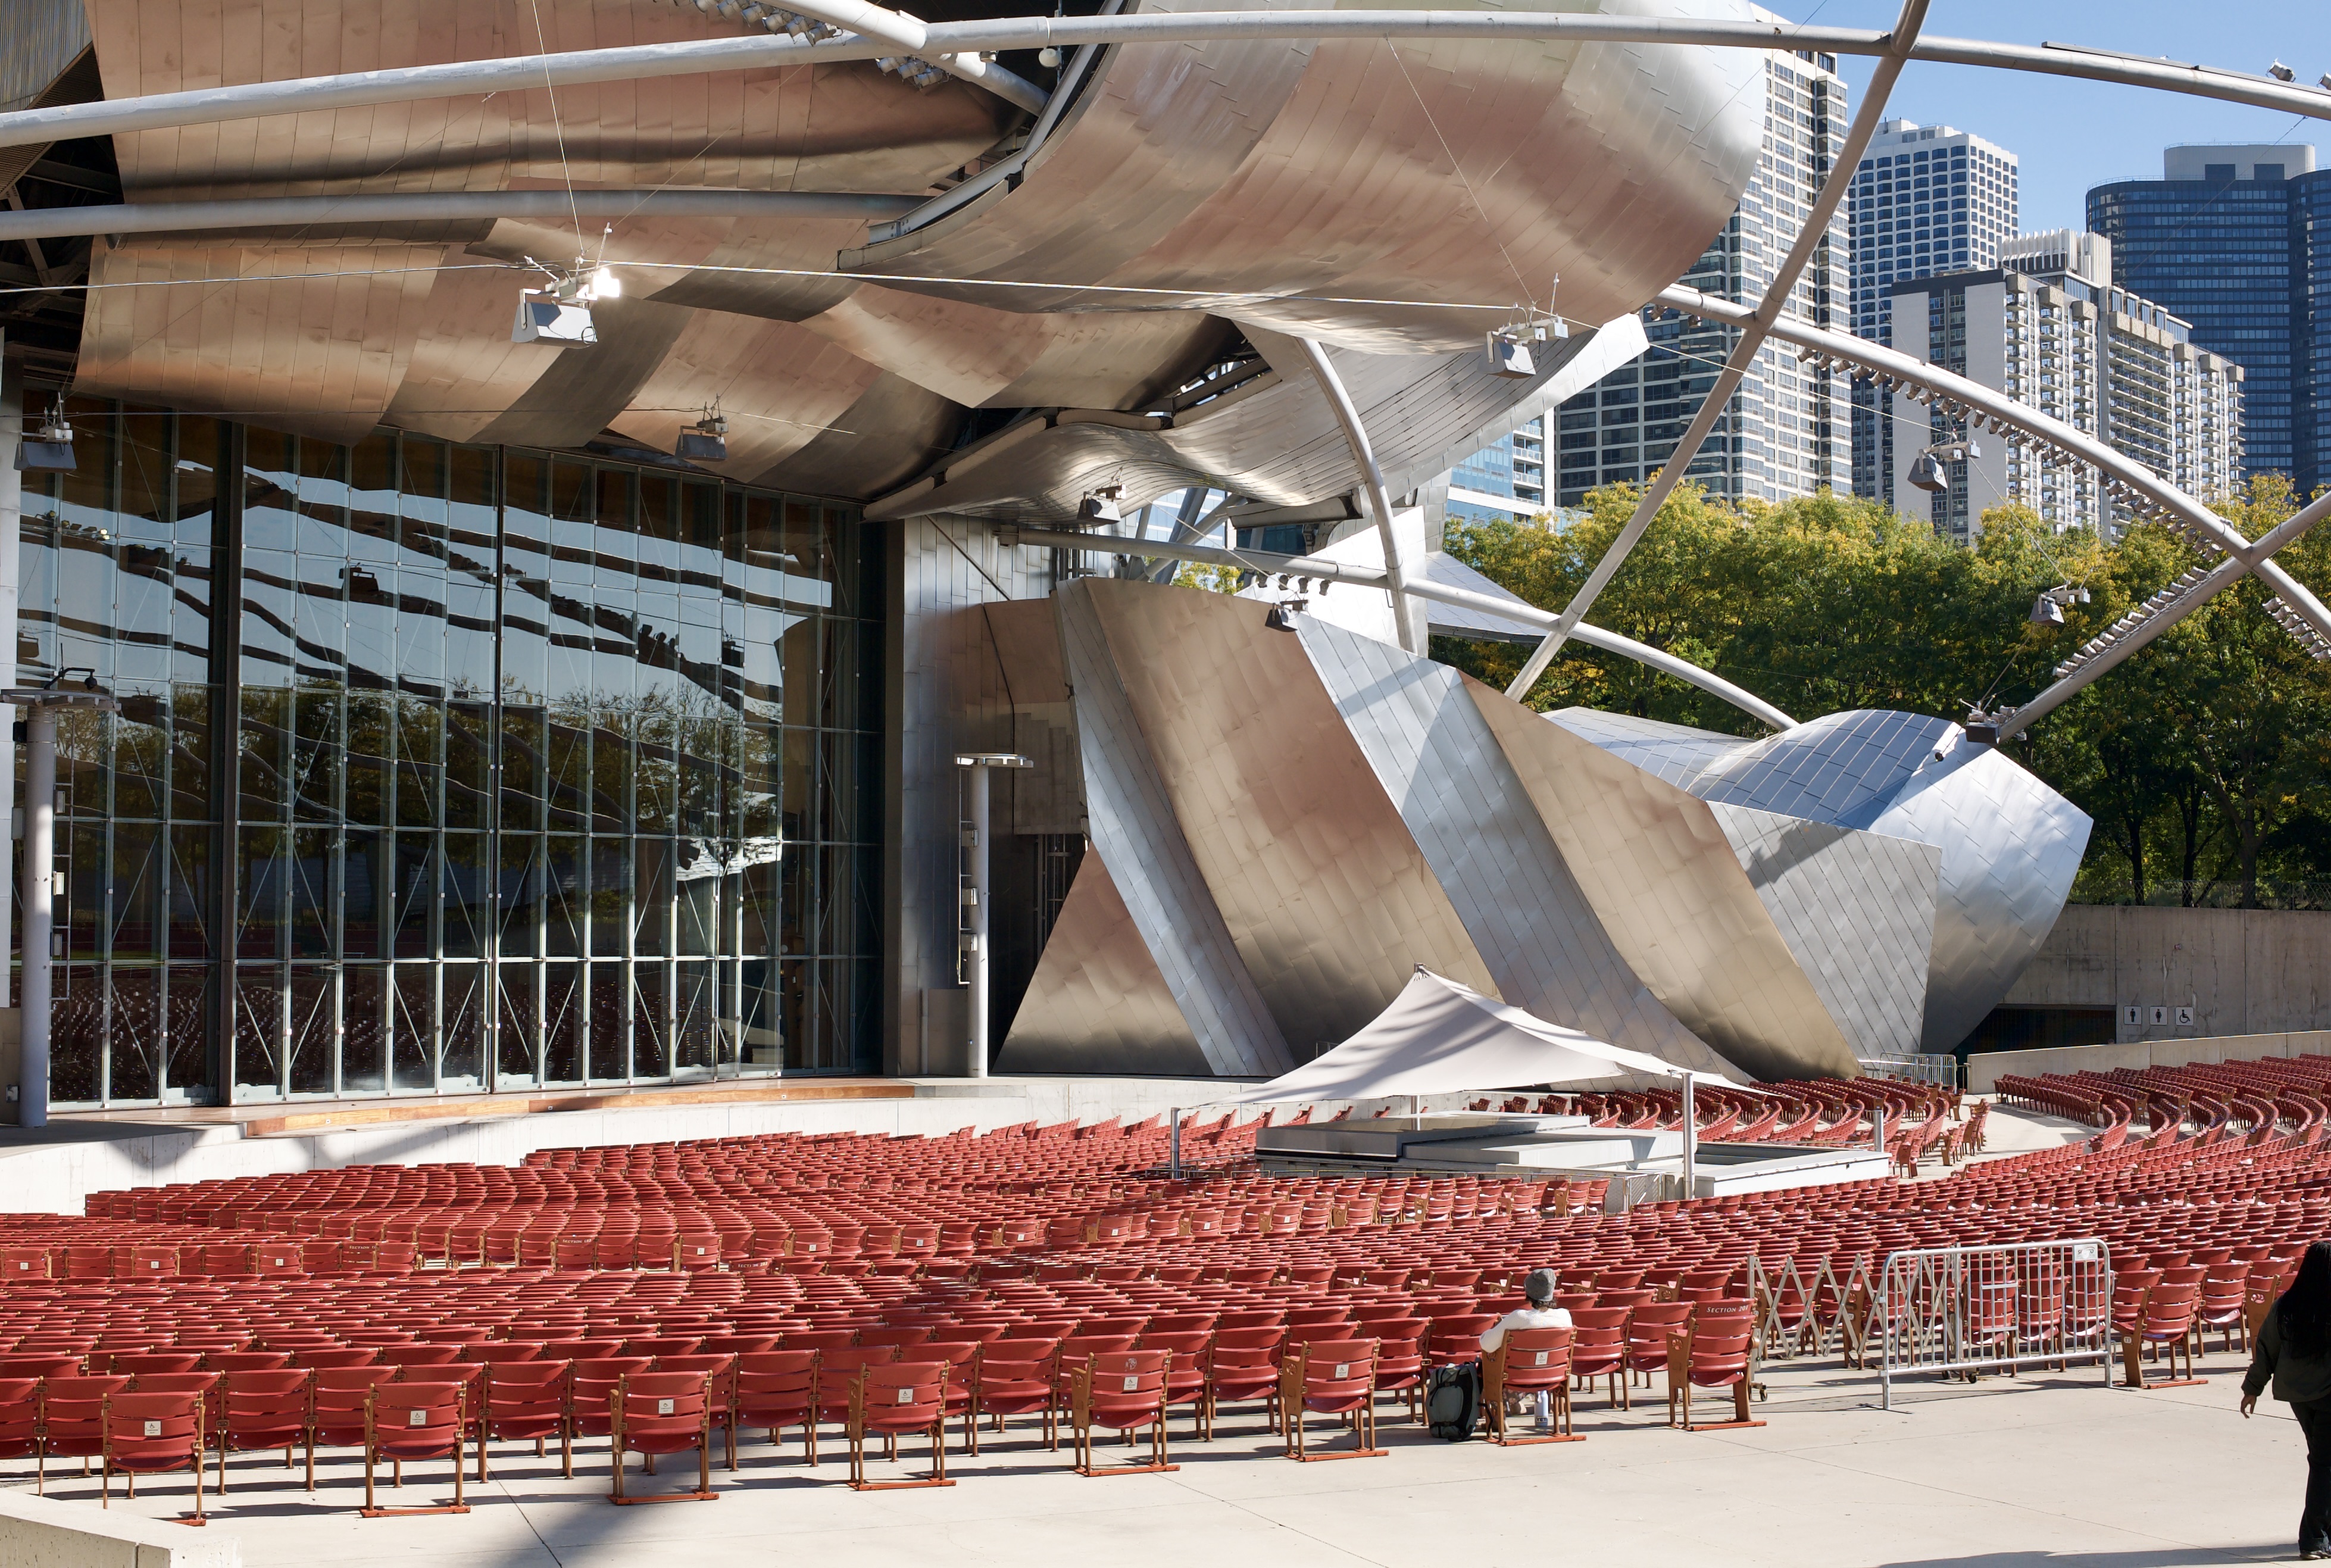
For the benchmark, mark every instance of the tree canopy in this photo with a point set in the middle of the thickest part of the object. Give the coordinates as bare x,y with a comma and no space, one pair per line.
2205,758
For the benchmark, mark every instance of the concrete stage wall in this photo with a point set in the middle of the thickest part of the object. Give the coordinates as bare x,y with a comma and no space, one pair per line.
1984,1068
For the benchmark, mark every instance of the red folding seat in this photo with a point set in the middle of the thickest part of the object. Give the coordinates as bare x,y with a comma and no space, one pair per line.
72,1419
338,1398
414,1421
590,1386
1243,1364
523,1399
1123,1391
1334,1378
891,1400
662,1412
1527,1364
1713,1353
145,1434
261,1410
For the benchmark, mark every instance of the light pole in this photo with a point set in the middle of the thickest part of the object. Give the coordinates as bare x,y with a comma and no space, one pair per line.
972,926
40,705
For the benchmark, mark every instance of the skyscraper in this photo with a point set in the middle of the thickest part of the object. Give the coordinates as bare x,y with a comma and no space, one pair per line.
2049,327
1925,200
2237,240
1785,432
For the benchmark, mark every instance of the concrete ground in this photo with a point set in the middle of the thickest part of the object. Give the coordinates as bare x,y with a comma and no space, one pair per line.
2012,1473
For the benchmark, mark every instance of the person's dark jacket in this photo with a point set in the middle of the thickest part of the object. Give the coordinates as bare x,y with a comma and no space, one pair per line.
2295,1377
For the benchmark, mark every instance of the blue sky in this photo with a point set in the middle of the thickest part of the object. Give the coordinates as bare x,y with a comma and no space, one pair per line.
2070,135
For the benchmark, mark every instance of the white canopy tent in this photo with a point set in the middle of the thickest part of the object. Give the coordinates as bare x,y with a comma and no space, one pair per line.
1440,1037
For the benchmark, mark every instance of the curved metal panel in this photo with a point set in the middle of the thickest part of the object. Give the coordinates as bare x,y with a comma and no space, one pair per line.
1678,909
582,390
320,355
1321,885
780,387
1134,826
1858,912
1099,1002
1496,852
1282,167
2010,847
893,430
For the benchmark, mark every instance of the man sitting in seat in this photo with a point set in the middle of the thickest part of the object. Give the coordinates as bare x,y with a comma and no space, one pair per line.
1541,1313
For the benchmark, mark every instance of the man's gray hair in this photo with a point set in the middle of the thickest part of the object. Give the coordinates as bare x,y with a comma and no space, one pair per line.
1539,1286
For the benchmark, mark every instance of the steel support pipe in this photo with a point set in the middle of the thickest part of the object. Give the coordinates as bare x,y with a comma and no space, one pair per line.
444,206
1753,330
1323,571
2237,564
521,74
2000,409
1363,457
38,875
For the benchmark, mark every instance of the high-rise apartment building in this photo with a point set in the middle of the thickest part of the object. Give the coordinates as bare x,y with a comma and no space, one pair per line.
1785,431
1927,199
2051,328
2237,240
1509,476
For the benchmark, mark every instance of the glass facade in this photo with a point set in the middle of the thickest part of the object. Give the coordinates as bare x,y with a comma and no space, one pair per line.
446,768
2241,260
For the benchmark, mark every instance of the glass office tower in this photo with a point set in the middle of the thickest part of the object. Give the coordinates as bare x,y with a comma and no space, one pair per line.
2233,241
445,768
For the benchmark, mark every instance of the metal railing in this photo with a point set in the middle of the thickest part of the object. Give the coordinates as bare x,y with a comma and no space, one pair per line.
1972,1309
1934,1069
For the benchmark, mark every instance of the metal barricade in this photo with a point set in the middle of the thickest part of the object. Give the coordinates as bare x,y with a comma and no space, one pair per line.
1934,1069
1976,1309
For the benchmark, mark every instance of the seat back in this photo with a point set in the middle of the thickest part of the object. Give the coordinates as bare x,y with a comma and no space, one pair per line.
1535,1358
662,1409
1337,1369
414,1420
899,1396
20,1416
418,1355
152,1432
137,1363
2169,1310
1118,1384
1718,1351
269,1403
72,1411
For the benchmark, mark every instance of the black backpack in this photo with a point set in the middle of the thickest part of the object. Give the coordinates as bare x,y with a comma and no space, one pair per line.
1453,1400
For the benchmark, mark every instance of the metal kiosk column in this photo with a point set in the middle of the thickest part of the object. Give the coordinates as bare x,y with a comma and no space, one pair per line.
40,705
971,939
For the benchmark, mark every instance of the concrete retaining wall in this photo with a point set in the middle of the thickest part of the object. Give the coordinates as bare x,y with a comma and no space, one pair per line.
41,1532
2242,972
1983,1070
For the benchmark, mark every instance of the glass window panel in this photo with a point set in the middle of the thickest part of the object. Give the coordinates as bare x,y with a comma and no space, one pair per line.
462,1063
838,670
609,1018
81,916
412,1025
264,879
141,758
470,631
794,1012
609,897
77,1034
693,1032
364,1028
135,1039
567,775
314,872
259,1030
758,897
522,764
411,895
655,784
271,581
797,649
652,909
518,1029
468,894
469,765
421,628
190,752
371,721
190,613
843,536
319,618
759,758
611,775
368,902
798,874
315,1028
420,761
838,793
316,756
760,1026
195,478
194,893
268,487
323,490
371,612
264,753
567,898
651,1019
800,800
698,899
523,869
139,875
565,1014
193,1008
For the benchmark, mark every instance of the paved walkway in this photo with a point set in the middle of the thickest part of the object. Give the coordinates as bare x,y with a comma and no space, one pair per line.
2013,1474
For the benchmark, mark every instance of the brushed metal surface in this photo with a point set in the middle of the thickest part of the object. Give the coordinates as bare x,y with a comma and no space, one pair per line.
2008,846
1357,169
1858,912
1329,900
1099,1002
1136,831
1502,860
1680,910
779,385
